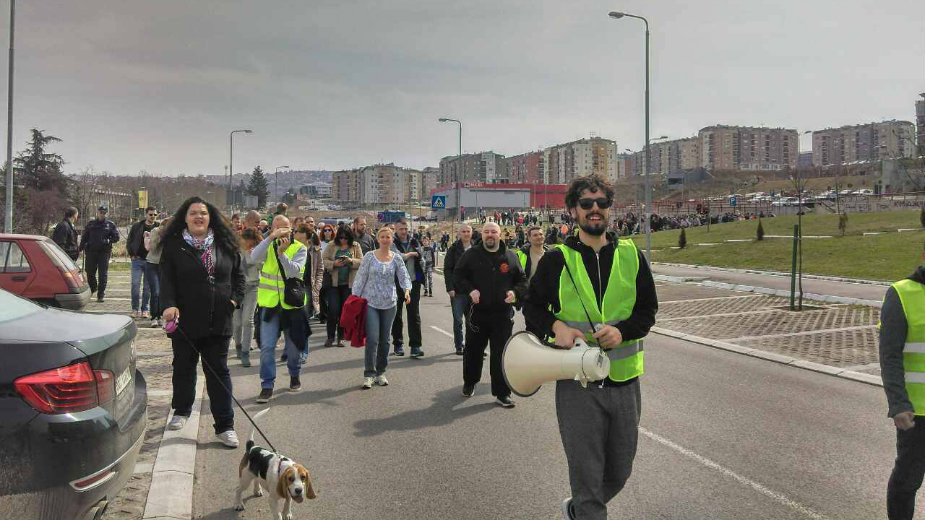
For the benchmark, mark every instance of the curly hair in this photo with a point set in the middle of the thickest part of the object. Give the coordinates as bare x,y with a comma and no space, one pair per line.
593,182
224,237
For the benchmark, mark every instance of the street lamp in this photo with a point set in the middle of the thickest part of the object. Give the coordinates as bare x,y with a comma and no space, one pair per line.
231,164
617,15
276,180
8,225
458,163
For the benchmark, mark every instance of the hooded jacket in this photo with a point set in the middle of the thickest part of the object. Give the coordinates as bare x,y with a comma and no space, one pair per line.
893,328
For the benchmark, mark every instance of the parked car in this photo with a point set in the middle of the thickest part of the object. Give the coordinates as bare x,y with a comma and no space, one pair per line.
36,268
73,409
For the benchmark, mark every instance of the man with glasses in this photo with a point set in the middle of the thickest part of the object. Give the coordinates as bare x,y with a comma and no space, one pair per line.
135,247
596,288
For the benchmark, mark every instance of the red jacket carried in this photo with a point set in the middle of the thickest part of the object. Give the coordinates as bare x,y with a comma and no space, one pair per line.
353,320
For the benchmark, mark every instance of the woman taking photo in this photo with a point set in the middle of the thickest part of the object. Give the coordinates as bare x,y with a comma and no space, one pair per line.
341,258
243,321
325,237
375,281
202,283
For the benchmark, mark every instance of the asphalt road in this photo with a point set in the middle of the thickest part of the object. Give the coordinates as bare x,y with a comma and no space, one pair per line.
724,436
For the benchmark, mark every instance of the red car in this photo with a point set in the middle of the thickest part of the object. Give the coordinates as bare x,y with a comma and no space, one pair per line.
34,267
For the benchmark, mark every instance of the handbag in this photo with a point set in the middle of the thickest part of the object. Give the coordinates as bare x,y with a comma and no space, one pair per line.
294,291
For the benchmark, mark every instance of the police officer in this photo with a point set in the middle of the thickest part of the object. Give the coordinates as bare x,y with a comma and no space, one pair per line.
902,367
98,237
492,278
595,277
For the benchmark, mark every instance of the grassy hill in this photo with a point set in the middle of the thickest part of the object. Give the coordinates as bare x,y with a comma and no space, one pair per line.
889,256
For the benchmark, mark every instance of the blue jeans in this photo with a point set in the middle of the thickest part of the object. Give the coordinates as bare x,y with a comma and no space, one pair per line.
460,306
269,335
138,270
378,326
153,284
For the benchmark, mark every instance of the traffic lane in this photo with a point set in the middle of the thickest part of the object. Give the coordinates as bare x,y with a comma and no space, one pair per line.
810,285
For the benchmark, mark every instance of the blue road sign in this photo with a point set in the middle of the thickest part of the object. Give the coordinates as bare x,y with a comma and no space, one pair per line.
438,202
733,201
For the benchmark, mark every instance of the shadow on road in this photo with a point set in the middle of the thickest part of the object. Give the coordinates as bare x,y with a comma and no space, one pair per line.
440,413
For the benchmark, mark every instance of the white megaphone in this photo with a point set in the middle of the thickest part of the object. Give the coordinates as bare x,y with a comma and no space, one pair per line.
527,363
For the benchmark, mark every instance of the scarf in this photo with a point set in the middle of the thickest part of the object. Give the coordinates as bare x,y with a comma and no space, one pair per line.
205,248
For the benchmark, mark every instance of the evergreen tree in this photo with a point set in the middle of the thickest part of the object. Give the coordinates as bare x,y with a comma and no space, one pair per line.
759,233
682,239
259,187
39,169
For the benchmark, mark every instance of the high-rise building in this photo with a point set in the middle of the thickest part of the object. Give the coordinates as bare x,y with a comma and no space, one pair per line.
671,156
485,167
920,125
378,184
748,148
869,142
564,162
428,182
526,168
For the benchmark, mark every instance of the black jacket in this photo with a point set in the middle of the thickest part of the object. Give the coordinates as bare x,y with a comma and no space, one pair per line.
135,243
205,305
66,236
453,254
493,274
544,288
892,341
99,235
415,265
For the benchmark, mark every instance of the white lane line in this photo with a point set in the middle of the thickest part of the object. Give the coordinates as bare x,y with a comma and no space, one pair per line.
783,499
441,331
804,333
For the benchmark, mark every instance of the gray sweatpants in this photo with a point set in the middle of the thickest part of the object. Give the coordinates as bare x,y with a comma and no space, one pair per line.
599,429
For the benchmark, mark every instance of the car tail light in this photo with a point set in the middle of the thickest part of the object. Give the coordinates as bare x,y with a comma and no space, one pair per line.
69,389
73,279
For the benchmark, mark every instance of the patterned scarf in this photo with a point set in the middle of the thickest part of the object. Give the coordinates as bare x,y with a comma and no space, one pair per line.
205,248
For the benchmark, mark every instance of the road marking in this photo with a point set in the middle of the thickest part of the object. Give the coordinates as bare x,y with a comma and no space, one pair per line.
783,499
804,333
441,331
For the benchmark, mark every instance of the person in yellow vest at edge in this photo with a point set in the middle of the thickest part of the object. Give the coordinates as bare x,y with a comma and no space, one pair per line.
595,274
902,368
279,249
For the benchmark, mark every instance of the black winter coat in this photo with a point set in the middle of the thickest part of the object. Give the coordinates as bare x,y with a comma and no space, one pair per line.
493,274
66,236
205,305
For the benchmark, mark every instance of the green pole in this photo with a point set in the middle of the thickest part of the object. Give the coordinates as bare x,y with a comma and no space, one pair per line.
793,267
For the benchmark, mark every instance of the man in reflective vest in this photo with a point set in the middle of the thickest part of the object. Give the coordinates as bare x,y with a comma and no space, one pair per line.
902,367
596,276
530,254
275,251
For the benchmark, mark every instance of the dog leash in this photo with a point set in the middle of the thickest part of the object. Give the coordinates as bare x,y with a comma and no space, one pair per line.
233,398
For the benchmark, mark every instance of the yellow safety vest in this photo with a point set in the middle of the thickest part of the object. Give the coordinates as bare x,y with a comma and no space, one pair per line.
523,259
626,360
272,283
912,296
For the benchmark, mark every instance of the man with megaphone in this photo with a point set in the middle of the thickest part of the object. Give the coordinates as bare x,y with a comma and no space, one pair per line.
598,289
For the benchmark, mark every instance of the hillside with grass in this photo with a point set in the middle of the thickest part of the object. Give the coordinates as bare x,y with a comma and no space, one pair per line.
887,256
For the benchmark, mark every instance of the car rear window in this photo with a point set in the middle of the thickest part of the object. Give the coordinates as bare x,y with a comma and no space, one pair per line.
58,256
13,307
12,259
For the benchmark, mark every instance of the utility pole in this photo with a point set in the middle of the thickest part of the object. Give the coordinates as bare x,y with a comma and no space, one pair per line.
8,224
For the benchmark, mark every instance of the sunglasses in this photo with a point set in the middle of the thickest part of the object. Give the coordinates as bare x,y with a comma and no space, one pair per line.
602,203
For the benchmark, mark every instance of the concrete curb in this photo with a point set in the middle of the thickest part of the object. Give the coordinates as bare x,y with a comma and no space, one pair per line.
770,356
776,273
171,492
825,298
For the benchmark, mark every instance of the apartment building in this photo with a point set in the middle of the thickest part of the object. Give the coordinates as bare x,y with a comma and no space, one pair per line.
379,184
485,167
868,142
920,125
672,156
748,148
526,168
564,162
429,178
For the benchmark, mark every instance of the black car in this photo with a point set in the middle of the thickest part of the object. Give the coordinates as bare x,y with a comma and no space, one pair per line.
73,410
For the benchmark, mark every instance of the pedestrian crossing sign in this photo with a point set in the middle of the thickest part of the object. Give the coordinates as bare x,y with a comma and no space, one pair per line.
438,202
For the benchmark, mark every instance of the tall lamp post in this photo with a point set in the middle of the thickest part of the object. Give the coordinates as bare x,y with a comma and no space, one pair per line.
458,164
276,180
8,225
617,15
231,164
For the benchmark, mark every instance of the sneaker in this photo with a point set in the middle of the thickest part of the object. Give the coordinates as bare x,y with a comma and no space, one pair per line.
367,383
459,352
399,352
417,353
265,395
294,384
505,401
382,381
136,314
468,389
145,315
329,342
339,343
177,422
155,323
229,438
246,362
567,511
284,357
100,299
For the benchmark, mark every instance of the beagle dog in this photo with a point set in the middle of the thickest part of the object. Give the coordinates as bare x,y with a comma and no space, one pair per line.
284,479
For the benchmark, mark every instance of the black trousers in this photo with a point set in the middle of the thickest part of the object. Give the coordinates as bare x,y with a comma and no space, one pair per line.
482,328
98,261
414,318
214,351
908,471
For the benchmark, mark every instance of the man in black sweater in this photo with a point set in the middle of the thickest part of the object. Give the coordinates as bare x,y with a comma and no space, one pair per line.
492,278
65,235
135,247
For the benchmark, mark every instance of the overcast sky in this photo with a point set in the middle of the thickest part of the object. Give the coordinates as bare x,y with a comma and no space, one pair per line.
157,85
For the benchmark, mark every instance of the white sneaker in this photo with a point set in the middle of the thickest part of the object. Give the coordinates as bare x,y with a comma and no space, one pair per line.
136,314
229,438
177,422
155,323
367,383
382,381
566,509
